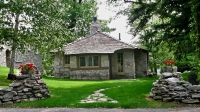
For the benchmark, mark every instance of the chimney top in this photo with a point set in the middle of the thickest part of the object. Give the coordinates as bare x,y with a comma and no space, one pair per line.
94,18
95,26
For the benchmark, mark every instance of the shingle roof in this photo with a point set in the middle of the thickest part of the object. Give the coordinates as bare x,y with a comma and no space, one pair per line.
96,43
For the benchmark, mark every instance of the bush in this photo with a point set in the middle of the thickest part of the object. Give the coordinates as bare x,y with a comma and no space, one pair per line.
184,66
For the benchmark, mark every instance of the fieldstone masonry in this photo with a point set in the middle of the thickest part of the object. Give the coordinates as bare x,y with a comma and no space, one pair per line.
171,87
27,57
24,88
90,74
98,97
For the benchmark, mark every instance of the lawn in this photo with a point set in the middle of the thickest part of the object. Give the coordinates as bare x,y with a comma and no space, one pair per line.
68,93
3,77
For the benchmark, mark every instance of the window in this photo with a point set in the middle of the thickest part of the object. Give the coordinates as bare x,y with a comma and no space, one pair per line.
66,59
120,68
89,61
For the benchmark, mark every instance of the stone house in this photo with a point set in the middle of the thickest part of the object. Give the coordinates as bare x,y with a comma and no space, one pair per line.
29,56
100,56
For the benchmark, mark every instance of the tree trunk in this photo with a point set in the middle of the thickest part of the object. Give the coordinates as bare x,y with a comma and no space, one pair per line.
14,44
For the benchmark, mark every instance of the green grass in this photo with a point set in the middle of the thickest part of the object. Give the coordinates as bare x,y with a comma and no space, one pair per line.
67,93
3,77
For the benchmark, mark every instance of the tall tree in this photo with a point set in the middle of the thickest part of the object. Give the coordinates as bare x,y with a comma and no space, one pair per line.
31,22
78,15
176,21
39,23
179,24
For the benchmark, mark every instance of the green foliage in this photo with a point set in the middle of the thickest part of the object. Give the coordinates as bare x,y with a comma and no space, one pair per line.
104,26
175,22
78,15
186,64
44,25
47,64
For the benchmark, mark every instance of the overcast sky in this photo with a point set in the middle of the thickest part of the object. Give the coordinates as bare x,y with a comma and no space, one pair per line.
120,24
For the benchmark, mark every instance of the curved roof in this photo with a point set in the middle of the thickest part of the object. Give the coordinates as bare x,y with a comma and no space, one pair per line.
96,43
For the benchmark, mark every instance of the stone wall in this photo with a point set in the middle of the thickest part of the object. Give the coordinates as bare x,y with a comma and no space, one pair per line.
96,74
29,56
132,66
141,62
3,56
90,74
129,65
60,70
171,87
104,61
24,88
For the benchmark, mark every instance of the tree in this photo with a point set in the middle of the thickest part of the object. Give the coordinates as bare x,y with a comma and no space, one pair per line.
77,15
176,19
178,24
104,26
32,22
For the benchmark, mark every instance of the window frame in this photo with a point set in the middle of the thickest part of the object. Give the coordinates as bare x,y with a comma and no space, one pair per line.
66,60
87,62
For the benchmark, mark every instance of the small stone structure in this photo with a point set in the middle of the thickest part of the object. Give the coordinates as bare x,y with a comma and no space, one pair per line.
24,88
99,56
171,87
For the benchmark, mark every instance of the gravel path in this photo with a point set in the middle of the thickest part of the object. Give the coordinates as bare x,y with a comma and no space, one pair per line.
186,109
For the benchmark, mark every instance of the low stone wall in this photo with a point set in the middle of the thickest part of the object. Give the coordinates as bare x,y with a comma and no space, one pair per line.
24,88
90,74
171,87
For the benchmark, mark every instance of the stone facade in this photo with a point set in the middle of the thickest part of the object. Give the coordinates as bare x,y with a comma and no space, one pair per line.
96,74
171,87
141,60
60,70
129,65
90,74
95,26
105,61
107,69
29,56
24,88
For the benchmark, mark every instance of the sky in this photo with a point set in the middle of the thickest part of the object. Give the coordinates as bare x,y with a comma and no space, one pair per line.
120,23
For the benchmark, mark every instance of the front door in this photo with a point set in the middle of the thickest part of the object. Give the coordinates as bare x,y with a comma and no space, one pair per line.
120,63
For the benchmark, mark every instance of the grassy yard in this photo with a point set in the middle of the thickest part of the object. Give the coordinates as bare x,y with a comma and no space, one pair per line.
3,77
68,93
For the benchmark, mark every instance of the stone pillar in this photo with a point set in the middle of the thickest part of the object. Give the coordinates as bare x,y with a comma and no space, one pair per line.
168,69
175,69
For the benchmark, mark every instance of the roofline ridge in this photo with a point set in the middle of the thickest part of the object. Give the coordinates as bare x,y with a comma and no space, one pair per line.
80,38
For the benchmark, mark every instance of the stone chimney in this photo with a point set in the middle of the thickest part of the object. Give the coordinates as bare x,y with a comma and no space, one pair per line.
95,26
